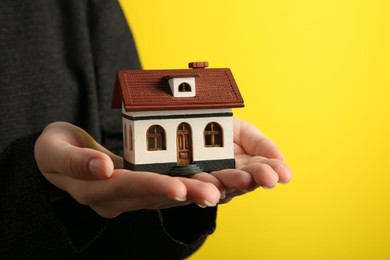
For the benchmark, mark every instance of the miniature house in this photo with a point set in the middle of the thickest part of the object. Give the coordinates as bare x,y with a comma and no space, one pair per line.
177,122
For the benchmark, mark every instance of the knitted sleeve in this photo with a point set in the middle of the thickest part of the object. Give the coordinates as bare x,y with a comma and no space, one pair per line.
30,227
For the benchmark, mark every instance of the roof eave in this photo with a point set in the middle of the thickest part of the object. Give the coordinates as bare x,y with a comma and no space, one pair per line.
182,107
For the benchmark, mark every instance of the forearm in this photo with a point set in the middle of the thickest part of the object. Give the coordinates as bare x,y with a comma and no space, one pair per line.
30,224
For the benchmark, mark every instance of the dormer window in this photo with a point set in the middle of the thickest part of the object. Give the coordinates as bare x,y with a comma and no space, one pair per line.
182,83
184,87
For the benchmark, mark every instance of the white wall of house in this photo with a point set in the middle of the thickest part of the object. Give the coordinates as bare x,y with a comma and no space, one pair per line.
140,154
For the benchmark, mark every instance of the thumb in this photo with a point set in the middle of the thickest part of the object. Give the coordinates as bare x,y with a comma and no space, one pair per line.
81,163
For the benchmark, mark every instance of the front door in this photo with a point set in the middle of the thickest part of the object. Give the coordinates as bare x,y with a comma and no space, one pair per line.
184,144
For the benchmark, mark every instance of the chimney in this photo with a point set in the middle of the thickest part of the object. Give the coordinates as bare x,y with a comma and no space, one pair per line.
198,65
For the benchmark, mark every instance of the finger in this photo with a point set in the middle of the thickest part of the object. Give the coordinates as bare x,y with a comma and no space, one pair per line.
80,138
82,163
122,184
68,149
279,166
129,184
262,174
207,177
76,136
201,193
124,191
253,142
117,160
235,179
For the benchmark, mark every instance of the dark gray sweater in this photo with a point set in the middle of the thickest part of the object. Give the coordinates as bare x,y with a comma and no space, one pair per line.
58,61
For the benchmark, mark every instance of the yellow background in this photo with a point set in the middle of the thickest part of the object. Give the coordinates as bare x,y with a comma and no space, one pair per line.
315,78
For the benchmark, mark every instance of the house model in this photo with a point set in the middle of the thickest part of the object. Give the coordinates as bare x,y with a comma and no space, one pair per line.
177,122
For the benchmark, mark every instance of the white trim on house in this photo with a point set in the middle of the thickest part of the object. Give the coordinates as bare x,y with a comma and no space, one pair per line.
140,154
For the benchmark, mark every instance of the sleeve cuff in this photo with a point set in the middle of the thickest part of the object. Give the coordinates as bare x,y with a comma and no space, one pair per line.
188,224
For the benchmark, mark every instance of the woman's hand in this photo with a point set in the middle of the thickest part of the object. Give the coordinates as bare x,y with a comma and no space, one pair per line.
73,161
259,163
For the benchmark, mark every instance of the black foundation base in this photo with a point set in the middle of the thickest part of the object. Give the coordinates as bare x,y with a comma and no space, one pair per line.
182,170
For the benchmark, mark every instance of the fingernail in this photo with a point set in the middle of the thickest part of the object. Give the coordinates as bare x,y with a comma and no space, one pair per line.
180,199
96,166
223,195
207,203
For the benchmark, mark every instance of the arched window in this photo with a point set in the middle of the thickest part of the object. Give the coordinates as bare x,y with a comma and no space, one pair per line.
155,138
184,87
213,135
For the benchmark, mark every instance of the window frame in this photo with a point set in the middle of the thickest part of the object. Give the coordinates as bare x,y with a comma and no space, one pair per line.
156,134
214,131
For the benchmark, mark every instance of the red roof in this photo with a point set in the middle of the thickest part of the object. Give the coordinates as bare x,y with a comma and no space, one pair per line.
148,90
